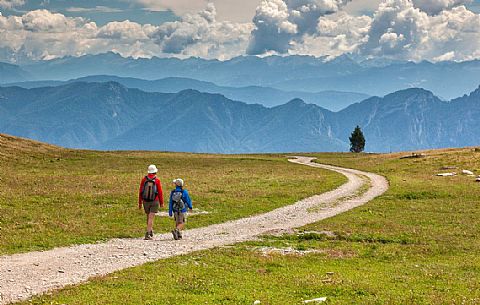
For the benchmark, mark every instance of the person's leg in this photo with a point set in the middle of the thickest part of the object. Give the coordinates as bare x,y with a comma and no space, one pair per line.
150,218
175,231
180,224
146,208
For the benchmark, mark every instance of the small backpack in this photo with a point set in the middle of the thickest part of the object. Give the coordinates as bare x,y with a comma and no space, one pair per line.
150,191
177,201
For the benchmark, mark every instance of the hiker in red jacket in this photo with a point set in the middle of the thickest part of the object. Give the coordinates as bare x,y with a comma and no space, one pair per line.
151,196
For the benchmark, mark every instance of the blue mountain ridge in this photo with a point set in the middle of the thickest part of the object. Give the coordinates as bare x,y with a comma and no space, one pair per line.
110,116
288,73
332,100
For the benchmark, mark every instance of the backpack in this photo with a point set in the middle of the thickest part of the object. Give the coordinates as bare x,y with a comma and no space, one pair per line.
150,191
177,201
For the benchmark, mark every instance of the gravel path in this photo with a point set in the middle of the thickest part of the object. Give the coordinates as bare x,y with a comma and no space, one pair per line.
28,274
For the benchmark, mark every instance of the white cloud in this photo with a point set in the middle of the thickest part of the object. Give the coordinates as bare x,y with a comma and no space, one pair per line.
445,57
8,4
125,30
433,7
45,21
42,34
281,24
399,29
228,10
454,33
202,35
336,34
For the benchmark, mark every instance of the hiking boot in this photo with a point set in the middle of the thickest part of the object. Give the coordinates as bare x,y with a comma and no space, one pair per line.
179,234
147,236
175,234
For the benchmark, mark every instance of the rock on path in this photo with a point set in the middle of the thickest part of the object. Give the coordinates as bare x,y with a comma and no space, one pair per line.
28,274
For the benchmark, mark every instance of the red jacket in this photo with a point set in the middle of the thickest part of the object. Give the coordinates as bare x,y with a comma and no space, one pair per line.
159,188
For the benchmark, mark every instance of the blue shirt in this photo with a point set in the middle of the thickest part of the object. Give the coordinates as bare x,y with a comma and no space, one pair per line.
185,198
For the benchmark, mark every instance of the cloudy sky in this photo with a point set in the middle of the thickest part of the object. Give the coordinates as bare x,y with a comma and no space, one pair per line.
434,30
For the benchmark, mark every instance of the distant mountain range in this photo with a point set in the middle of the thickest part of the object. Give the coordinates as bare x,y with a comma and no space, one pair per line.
111,116
290,73
331,100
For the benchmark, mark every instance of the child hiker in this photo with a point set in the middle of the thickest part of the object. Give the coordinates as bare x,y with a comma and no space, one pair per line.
151,196
179,202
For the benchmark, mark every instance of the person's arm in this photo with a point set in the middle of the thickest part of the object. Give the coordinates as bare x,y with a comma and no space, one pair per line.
160,193
170,206
140,201
187,199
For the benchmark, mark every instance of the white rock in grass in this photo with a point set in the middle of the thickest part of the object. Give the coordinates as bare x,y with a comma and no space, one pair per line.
319,300
467,172
446,174
256,302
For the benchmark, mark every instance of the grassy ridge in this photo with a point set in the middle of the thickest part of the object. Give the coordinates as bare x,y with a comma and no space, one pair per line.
417,244
53,197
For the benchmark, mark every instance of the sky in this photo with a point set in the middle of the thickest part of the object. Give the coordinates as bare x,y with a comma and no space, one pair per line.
434,30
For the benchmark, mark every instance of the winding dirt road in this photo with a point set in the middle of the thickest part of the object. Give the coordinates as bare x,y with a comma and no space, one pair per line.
28,274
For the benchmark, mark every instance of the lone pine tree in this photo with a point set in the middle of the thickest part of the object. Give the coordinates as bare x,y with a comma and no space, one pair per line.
357,140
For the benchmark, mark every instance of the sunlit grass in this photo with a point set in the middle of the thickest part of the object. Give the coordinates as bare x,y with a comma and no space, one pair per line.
53,197
417,244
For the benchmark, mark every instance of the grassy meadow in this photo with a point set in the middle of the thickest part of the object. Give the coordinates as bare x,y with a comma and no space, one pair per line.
52,197
416,244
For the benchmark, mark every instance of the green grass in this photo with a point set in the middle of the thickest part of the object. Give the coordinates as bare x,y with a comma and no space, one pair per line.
417,244
53,197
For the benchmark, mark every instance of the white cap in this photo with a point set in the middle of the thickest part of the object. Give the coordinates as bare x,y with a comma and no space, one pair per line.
152,169
178,181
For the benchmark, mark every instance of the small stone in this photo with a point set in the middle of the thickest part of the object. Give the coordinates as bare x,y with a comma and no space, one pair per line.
12,280
145,253
36,264
61,271
9,270
317,300
256,302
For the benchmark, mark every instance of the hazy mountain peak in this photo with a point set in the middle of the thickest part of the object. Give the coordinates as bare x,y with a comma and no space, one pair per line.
476,93
411,92
189,92
296,102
